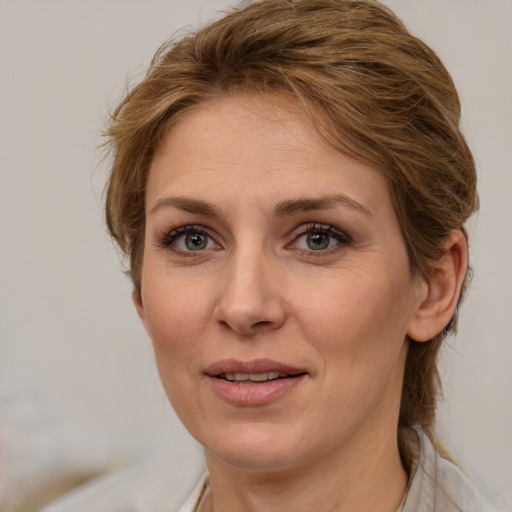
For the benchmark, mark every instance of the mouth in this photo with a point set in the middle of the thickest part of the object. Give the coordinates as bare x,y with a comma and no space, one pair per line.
258,382
255,378
255,371
262,374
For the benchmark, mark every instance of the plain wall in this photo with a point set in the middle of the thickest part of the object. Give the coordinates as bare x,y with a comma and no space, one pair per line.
73,355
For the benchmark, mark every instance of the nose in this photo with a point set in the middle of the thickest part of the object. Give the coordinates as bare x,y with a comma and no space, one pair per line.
250,299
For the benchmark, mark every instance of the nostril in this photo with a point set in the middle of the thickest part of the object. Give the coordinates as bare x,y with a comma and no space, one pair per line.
261,324
249,329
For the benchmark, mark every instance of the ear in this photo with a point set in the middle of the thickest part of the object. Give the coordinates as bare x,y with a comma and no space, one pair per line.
442,290
139,306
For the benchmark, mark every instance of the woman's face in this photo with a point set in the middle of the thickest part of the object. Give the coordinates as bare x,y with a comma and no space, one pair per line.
275,286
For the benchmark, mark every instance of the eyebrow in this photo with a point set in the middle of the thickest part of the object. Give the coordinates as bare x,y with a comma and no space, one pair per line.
187,204
327,202
282,209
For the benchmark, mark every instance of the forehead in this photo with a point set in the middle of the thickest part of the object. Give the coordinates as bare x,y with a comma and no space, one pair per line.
237,127
259,147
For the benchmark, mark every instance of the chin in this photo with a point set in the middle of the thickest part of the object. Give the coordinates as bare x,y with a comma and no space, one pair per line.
254,449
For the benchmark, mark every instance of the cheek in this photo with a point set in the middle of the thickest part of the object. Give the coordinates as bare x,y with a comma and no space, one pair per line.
176,317
358,326
359,334
174,326
358,307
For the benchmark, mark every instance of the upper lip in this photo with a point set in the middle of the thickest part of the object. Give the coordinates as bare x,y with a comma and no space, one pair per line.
255,366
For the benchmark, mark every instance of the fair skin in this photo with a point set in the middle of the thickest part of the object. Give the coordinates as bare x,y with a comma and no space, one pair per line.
271,256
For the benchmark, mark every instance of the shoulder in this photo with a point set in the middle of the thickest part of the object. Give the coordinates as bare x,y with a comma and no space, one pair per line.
456,492
160,483
438,485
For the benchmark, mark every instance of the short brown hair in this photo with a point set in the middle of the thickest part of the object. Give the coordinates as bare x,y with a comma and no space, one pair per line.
372,89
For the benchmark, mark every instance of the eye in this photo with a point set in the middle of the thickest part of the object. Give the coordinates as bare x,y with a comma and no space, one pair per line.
192,242
319,237
318,241
188,239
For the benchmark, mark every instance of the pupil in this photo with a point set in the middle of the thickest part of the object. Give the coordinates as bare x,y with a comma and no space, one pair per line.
317,241
195,241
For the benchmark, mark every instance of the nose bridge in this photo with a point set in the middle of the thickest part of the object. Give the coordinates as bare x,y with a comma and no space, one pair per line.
249,301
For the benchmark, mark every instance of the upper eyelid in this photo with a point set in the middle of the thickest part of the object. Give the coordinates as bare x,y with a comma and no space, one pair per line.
178,230
320,226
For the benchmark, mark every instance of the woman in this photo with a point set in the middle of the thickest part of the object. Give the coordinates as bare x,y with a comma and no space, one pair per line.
290,185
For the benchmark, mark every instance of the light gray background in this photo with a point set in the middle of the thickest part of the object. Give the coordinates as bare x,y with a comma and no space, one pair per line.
76,368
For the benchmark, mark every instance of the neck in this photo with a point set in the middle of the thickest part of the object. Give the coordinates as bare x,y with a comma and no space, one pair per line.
366,478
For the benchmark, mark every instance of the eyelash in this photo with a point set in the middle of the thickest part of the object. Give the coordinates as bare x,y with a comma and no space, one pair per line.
169,237
167,240
325,229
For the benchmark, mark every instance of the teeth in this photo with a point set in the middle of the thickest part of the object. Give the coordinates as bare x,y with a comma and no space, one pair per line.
253,377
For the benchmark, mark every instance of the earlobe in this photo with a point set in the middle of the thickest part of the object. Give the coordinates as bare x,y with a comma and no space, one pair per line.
443,289
139,306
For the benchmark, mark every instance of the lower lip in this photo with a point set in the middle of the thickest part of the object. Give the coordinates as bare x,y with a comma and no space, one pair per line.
258,393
